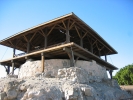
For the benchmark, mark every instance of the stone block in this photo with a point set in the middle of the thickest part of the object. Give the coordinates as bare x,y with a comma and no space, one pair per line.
87,91
2,95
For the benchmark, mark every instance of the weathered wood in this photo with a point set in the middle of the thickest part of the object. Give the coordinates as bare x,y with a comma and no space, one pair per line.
76,54
67,35
51,30
72,25
42,62
14,50
32,37
71,56
91,48
45,43
78,32
105,58
110,72
84,35
81,42
28,47
12,67
64,24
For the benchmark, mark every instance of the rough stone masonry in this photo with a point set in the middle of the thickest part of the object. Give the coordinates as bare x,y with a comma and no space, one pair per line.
84,81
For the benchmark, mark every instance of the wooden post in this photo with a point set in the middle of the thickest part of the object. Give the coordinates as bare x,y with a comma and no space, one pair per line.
45,45
81,42
67,34
105,58
14,50
12,67
99,53
110,72
91,47
42,63
28,47
8,70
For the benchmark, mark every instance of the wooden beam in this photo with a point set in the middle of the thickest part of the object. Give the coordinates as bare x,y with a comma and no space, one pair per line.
94,42
64,24
71,56
76,54
84,34
11,43
14,50
71,25
51,30
61,27
25,38
32,36
78,32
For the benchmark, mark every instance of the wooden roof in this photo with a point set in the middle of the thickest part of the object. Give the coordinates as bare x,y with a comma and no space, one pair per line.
60,51
55,30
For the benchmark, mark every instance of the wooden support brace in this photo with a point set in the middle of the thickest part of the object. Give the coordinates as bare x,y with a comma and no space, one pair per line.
42,62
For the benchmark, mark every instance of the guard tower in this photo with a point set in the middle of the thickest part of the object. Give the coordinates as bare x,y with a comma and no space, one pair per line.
65,37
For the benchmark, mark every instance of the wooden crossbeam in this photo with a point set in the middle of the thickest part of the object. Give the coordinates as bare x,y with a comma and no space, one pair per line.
76,54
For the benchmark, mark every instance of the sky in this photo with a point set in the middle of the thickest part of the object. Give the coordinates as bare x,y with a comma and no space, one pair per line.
111,19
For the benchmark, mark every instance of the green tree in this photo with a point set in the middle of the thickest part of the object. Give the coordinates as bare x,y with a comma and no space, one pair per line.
125,75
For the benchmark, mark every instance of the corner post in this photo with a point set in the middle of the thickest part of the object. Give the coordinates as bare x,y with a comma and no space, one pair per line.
42,62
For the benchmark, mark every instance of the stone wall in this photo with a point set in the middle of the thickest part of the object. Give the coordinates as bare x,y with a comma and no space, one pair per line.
31,68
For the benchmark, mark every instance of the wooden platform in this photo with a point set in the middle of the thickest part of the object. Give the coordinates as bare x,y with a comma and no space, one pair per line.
59,52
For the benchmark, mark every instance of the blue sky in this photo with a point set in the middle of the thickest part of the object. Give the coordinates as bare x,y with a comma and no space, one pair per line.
111,19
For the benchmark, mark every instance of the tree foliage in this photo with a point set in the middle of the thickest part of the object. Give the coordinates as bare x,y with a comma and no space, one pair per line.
125,75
